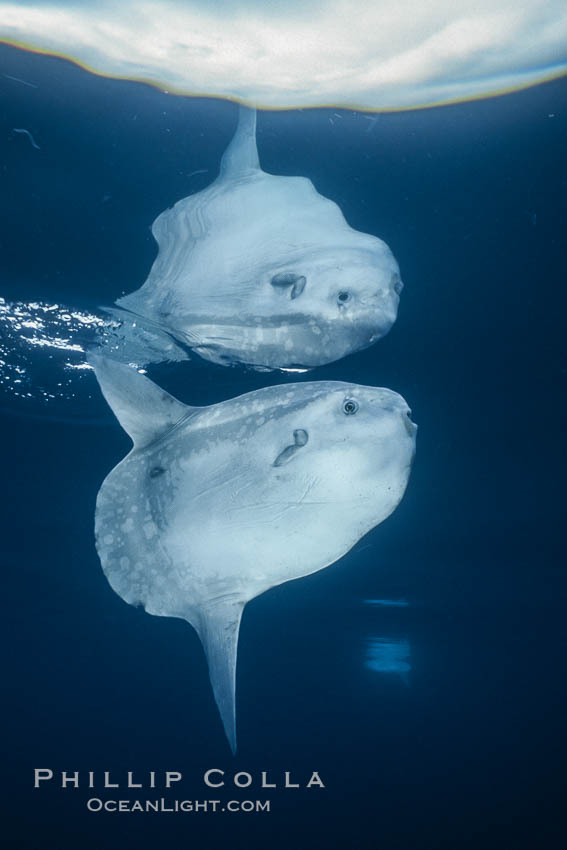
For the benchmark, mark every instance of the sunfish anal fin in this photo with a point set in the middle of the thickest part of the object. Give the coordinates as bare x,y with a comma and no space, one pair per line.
241,156
218,629
144,410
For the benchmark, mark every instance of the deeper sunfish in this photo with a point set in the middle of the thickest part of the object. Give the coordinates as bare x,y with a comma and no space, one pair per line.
215,505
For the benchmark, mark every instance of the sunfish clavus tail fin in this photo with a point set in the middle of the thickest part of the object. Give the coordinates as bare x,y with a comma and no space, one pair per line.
218,630
241,156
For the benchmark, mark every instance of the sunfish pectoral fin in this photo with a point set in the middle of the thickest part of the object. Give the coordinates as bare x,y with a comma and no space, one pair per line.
144,410
300,438
218,629
293,283
241,156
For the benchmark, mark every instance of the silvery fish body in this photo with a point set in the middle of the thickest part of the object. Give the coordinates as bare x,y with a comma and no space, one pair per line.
215,505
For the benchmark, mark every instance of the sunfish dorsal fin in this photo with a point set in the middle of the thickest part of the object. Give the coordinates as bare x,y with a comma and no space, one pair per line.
241,156
144,410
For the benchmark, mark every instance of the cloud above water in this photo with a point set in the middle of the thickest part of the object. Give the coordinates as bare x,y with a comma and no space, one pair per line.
374,54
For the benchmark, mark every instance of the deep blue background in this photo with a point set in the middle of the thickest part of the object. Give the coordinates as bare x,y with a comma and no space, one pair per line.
471,198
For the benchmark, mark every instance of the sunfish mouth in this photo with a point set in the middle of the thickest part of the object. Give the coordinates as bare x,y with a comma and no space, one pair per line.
410,426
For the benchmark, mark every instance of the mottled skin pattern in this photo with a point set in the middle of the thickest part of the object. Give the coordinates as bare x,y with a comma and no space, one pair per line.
211,286
206,507
236,498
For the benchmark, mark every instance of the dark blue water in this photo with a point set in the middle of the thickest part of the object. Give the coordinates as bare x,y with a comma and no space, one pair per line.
463,750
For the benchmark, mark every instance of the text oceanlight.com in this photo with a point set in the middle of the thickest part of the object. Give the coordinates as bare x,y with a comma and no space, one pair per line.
177,806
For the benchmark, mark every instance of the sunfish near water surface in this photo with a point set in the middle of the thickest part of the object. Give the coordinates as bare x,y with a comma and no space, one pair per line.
215,505
262,270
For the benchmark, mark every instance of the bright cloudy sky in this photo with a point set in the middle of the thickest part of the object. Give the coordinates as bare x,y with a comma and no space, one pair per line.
373,54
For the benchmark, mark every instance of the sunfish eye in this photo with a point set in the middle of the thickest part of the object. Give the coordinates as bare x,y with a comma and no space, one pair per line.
350,406
343,296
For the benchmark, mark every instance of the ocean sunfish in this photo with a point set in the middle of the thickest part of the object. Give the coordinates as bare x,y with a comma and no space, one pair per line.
262,270
215,505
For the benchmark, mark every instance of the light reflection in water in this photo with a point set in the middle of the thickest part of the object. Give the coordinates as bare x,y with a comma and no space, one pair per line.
388,603
378,55
44,369
35,336
388,655
44,349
